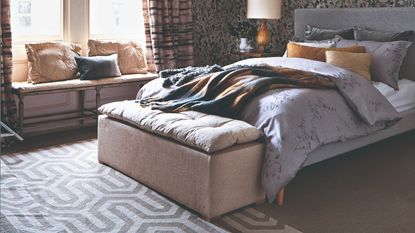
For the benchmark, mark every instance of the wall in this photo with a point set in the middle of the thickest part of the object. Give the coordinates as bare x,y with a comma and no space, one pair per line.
213,43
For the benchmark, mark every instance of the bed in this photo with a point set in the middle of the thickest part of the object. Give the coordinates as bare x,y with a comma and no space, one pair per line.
384,19
118,147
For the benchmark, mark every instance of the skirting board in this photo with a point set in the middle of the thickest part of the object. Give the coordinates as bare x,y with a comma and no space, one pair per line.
407,123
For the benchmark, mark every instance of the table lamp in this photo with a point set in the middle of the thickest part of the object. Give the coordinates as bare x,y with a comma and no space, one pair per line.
263,10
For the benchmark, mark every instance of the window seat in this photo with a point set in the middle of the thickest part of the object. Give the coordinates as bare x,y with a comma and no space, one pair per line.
23,89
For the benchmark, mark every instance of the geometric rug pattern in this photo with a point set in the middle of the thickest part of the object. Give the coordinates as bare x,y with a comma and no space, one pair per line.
64,189
250,220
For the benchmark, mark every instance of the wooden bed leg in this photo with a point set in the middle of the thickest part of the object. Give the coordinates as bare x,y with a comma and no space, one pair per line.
211,219
280,197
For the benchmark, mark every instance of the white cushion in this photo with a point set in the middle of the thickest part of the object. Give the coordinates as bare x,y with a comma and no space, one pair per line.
209,133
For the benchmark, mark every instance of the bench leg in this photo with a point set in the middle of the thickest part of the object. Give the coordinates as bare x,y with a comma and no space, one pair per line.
280,197
97,100
260,202
21,114
81,106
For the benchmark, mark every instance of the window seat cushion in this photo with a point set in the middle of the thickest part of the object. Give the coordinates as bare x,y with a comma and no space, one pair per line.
25,87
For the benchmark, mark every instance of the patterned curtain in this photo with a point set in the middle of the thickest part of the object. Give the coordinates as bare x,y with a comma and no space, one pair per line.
8,105
169,33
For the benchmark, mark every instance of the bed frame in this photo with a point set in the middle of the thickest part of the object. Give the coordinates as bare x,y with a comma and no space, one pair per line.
333,149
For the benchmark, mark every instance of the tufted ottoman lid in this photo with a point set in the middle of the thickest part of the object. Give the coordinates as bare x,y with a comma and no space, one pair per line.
209,133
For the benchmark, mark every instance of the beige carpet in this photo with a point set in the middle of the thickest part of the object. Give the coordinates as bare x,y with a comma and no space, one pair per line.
368,190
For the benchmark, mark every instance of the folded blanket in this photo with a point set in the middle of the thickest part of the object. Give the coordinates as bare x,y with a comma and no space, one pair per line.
225,93
183,75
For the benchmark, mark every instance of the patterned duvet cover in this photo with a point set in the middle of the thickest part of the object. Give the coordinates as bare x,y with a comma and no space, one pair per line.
296,121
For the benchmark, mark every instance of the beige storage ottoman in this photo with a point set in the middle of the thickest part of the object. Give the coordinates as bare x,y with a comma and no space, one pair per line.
152,148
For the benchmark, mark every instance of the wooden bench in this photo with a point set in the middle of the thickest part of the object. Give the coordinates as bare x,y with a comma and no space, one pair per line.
23,89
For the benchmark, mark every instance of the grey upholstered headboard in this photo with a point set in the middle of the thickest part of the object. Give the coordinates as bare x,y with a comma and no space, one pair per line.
383,19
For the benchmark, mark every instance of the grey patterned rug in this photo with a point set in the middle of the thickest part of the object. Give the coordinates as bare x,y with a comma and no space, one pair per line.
64,189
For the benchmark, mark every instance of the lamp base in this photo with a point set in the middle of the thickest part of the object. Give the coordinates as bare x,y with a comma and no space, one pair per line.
261,49
263,36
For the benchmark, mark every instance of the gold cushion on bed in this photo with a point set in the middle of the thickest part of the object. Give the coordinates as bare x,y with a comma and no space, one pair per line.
356,62
317,54
52,61
131,58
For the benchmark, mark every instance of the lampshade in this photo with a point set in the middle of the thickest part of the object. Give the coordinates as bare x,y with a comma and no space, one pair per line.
264,9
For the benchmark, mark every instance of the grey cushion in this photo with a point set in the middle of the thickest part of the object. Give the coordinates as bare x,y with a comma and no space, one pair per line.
364,35
333,40
314,33
387,58
91,68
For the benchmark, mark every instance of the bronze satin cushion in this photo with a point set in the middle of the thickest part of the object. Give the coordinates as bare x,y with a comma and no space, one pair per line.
52,61
317,54
131,58
356,62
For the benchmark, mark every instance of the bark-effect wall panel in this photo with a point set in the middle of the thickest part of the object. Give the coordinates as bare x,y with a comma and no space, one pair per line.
213,43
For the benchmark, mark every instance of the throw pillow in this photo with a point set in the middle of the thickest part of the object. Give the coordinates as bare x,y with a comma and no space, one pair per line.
314,33
365,35
131,58
91,68
315,44
356,62
51,61
317,54
387,58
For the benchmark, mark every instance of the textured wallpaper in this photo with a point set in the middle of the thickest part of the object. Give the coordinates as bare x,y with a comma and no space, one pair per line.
213,43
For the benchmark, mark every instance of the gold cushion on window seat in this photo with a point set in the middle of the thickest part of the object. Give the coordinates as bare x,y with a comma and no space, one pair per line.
51,61
131,58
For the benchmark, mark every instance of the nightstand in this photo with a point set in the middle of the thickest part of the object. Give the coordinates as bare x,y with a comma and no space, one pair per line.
256,54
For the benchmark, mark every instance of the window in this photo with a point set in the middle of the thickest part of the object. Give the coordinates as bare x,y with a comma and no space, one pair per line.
116,19
36,20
